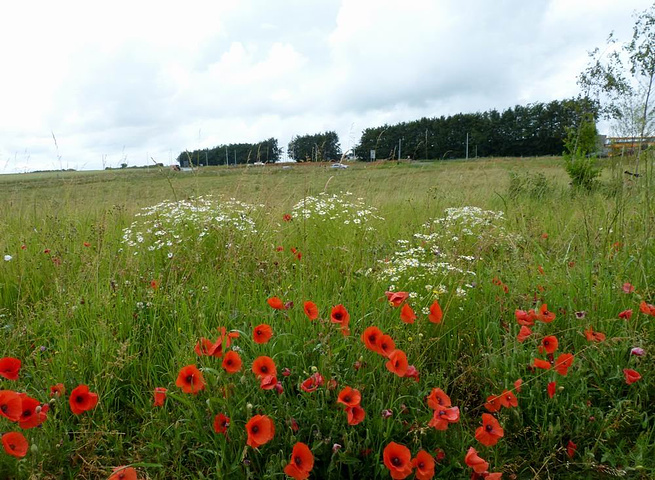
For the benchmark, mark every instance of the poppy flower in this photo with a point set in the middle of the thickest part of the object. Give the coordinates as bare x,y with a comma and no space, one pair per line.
32,413
592,336
637,351
473,460
386,345
371,337
424,465
9,368
312,383
15,444
286,217
264,366
221,422
442,417
355,415
311,310
552,387
397,363
493,403
524,333
206,347
412,372
398,459
508,399
340,315
626,314
262,333
517,385
10,405
631,376
58,390
493,476
563,363
525,318
190,380
349,397
160,396
302,462
269,382
438,399
82,400
124,473
571,448
407,315
436,315
490,431
628,288
154,284
549,344
544,315
647,308
275,303
231,362
260,430
396,298
543,364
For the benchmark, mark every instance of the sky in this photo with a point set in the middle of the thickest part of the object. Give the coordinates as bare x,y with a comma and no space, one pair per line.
89,85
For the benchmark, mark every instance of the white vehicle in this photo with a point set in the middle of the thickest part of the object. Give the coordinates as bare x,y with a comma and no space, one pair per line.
339,165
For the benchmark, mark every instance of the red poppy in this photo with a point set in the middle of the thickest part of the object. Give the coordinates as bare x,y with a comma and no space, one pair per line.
15,444
86,244
626,314
262,333
442,417
549,344
311,310
493,403
371,337
10,405
312,383
154,284
302,462
9,368
398,459
628,288
190,380
412,372
571,448
493,476
508,399
209,348
517,385
424,465
264,366
631,376
340,315
32,413
58,390
269,382
349,397
260,430
592,336
544,315
160,396
543,364
525,318
276,303
647,308
407,315
397,363
286,217
82,400
438,399
436,315
474,461
355,415
563,363
221,422
524,333
231,362
396,298
386,345
123,473
552,387
490,431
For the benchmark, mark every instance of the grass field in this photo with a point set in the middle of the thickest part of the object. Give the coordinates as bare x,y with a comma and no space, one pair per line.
111,279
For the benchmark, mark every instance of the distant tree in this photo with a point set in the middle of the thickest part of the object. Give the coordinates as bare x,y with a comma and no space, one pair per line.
315,148
266,151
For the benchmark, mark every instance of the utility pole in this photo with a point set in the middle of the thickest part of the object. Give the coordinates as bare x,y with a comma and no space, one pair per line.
467,146
400,144
227,158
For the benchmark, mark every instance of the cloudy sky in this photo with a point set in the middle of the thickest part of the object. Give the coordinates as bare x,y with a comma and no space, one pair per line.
124,81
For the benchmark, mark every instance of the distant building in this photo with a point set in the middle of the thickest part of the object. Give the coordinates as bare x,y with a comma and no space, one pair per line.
616,146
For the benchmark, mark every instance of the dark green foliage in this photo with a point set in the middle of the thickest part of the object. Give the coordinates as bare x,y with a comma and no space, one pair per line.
318,147
266,151
579,161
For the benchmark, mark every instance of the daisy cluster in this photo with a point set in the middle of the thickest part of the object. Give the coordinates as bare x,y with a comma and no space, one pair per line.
342,207
171,223
444,252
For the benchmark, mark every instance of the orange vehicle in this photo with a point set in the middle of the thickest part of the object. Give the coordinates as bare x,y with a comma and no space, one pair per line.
617,146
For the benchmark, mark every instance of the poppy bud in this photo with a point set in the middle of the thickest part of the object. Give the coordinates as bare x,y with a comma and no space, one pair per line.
249,406
336,447
637,351
34,448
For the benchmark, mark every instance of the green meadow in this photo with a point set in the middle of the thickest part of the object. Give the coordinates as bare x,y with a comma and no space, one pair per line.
110,279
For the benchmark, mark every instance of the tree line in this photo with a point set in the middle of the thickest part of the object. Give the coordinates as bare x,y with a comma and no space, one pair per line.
532,130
